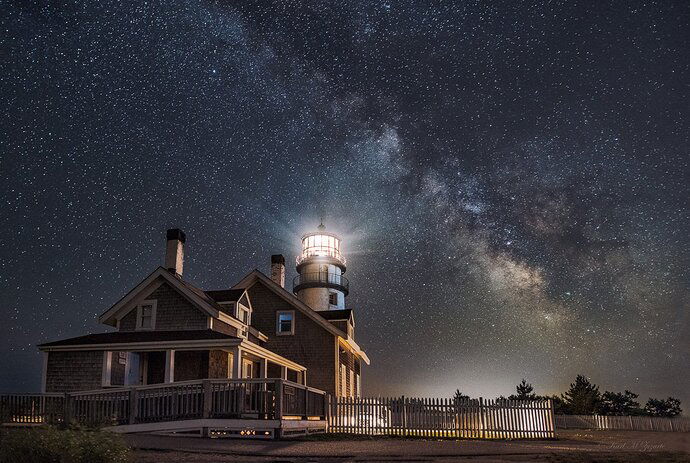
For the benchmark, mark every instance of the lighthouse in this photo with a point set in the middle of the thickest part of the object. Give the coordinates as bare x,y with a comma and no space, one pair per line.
320,266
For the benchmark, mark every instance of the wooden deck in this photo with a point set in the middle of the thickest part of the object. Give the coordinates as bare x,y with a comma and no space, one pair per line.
213,407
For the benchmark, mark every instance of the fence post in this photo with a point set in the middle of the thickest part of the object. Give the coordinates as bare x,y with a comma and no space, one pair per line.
306,403
208,398
279,408
403,400
481,417
553,418
133,405
68,409
279,399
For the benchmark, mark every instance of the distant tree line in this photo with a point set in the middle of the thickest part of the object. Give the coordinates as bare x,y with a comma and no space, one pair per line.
583,398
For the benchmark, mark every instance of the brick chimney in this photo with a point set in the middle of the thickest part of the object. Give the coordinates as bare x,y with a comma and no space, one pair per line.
278,269
174,250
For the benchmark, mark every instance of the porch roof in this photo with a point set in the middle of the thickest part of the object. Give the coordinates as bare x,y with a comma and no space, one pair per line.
124,337
166,340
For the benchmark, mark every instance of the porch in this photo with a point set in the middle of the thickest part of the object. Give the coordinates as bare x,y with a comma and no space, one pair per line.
255,408
122,359
150,367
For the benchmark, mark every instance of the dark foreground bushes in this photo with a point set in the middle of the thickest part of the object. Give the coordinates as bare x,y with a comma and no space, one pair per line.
51,445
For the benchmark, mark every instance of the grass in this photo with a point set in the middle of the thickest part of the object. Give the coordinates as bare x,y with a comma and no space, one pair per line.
53,445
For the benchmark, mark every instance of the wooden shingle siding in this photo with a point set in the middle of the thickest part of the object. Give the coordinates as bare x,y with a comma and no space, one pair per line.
218,364
349,360
129,321
223,327
74,371
311,345
173,312
340,324
191,365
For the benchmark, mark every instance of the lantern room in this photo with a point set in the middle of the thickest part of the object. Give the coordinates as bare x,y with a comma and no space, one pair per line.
321,244
320,265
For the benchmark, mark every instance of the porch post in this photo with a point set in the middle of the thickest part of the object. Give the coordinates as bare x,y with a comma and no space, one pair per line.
263,368
283,372
44,378
236,363
169,366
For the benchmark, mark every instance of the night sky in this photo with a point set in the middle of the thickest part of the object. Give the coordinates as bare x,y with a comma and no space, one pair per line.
510,179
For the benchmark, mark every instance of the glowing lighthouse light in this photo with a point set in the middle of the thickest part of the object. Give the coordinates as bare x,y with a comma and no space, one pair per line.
321,265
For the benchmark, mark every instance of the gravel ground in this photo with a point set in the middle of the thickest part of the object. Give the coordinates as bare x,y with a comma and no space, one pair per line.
571,446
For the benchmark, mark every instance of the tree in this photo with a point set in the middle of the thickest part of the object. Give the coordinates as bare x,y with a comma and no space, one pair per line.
583,397
559,406
525,391
660,407
619,403
459,397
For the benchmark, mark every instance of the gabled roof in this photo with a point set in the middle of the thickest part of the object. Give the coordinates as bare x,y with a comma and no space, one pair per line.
256,276
121,337
193,294
342,314
226,295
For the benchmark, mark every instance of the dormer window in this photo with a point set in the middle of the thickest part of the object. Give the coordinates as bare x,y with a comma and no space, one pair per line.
243,314
285,322
146,315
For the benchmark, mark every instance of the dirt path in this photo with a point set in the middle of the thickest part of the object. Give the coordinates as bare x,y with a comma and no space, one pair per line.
572,446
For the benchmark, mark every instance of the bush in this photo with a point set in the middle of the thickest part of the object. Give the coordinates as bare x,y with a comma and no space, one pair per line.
51,445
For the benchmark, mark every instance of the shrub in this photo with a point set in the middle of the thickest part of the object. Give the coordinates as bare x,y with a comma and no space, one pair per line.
50,445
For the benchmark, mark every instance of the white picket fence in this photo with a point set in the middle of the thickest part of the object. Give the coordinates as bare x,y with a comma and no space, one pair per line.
628,423
423,417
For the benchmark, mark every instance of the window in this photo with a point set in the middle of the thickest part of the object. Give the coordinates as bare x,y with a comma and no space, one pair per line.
359,385
243,314
285,322
146,315
333,298
352,383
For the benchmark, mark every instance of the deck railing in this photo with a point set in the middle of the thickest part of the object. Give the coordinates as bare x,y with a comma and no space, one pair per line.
267,399
317,279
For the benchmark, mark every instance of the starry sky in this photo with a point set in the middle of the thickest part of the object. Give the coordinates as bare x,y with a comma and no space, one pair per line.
510,178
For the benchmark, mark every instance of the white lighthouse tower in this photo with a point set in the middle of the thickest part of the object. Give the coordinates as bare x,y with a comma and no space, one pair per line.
321,264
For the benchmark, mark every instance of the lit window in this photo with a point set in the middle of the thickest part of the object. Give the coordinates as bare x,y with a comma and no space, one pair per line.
285,322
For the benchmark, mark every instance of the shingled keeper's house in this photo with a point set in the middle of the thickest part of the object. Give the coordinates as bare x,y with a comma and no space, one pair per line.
168,330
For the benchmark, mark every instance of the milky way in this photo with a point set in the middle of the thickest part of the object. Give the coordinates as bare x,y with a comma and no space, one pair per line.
510,179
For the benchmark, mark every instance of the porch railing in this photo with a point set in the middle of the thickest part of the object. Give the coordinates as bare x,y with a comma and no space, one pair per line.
266,399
